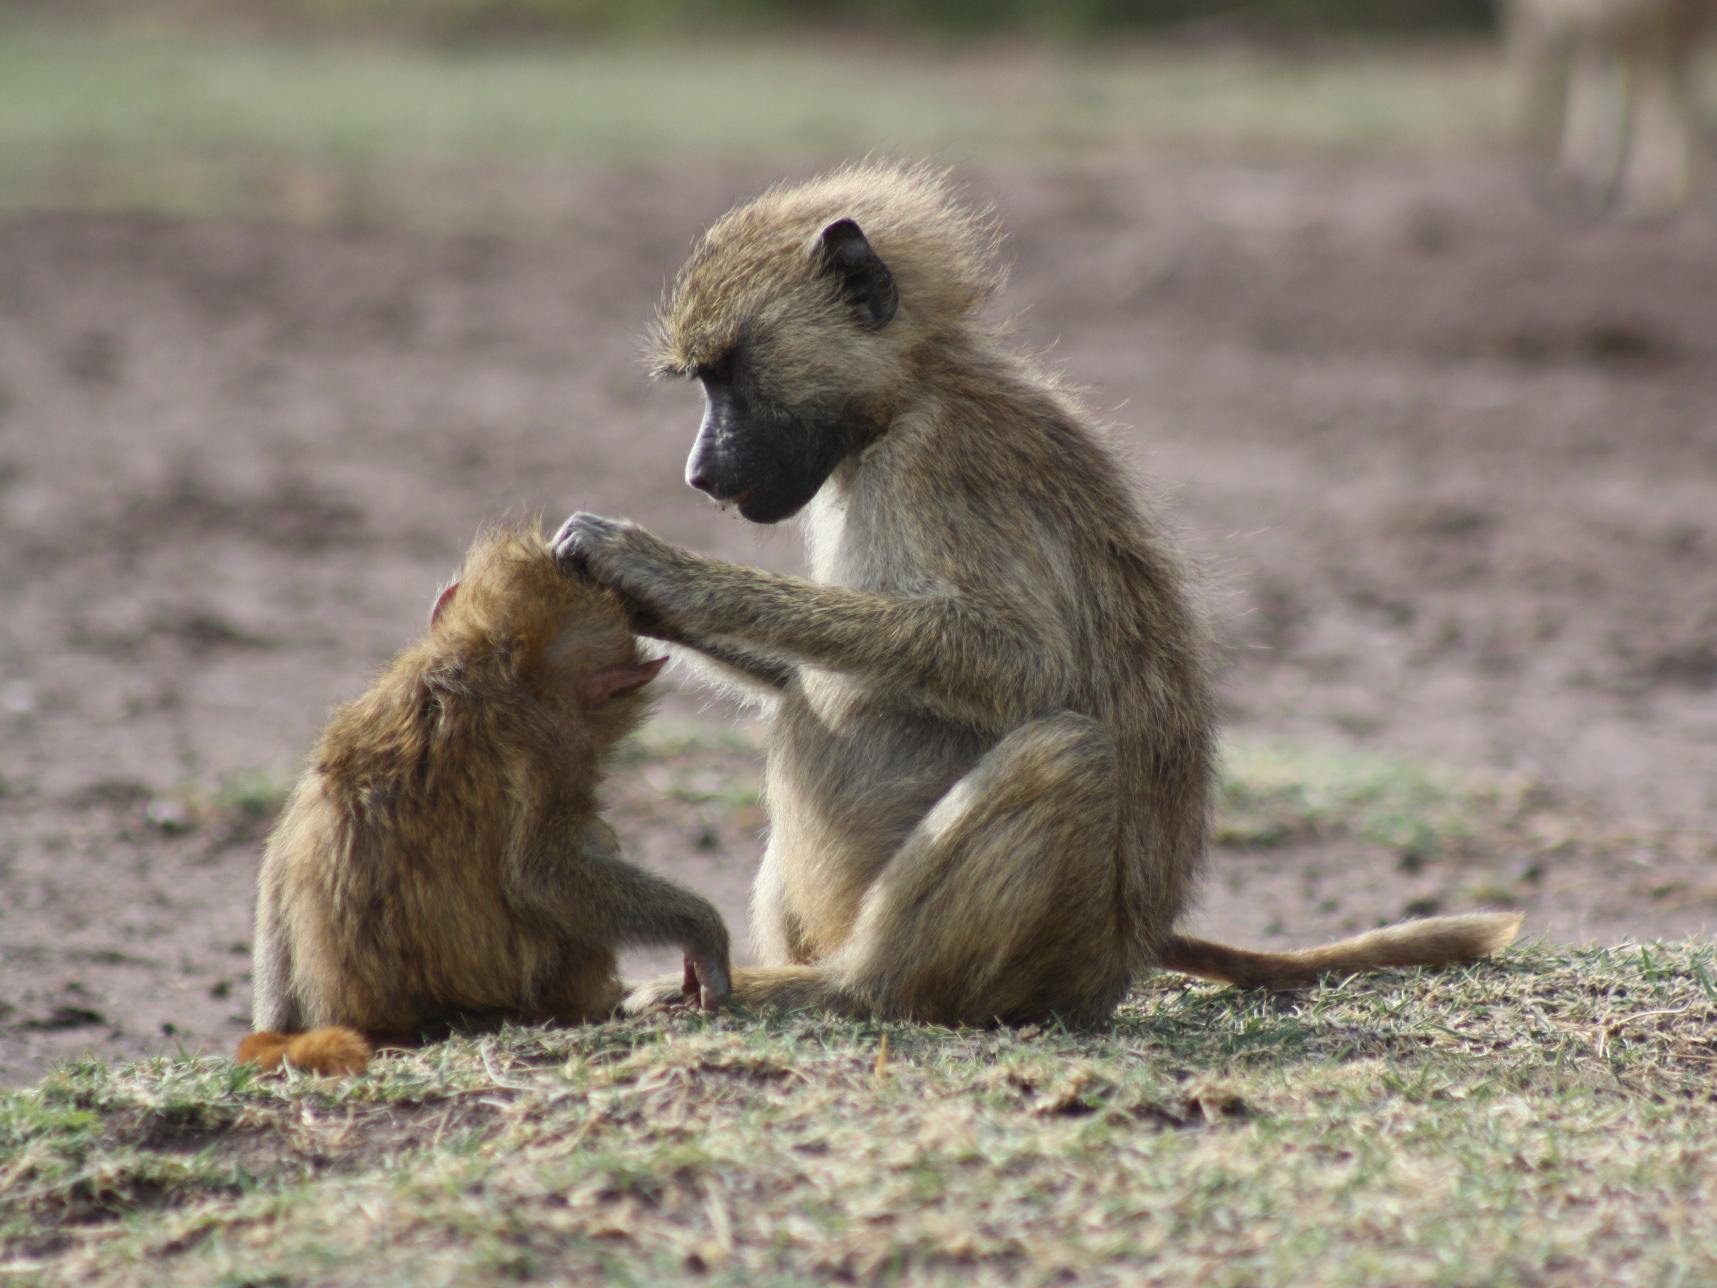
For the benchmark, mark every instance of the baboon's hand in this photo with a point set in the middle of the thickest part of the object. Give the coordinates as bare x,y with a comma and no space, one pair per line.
600,548
619,554
706,984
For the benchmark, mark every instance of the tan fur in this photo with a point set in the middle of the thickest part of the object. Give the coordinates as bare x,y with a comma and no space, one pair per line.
751,266
1433,942
442,857
265,1050
1611,86
992,746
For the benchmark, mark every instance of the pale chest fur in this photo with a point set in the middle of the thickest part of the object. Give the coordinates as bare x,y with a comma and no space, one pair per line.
850,774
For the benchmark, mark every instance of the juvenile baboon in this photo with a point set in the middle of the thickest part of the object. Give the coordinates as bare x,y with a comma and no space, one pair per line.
443,857
1607,87
991,755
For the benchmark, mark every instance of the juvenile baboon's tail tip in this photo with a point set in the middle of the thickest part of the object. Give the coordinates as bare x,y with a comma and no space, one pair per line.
264,1050
327,1050
1433,941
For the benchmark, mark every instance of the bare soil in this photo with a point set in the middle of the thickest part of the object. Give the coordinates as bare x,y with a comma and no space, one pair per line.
1450,466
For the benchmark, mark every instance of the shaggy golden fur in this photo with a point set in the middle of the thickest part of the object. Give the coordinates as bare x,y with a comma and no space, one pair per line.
443,857
327,1051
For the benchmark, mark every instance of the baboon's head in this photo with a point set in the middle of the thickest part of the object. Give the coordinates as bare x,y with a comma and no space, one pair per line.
806,315
515,623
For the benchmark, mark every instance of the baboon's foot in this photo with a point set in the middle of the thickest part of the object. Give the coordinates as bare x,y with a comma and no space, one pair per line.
657,994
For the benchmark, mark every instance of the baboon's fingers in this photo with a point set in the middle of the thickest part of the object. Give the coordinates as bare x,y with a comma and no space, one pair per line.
589,543
569,551
706,983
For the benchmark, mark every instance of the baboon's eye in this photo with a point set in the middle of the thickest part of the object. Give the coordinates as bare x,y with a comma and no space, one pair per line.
717,371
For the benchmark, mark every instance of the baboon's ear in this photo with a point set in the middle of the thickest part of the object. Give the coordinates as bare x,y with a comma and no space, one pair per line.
612,681
865,280
442,601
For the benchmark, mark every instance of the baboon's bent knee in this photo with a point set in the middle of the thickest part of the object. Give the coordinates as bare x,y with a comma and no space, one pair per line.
1066,747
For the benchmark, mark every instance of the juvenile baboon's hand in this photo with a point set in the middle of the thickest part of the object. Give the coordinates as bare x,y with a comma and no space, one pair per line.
706,984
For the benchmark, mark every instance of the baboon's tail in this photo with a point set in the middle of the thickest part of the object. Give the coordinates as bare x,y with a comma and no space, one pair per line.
792,988
327,1050
789,988
1434,941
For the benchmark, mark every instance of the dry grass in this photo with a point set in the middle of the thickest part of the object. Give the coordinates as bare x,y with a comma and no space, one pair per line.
1544,1118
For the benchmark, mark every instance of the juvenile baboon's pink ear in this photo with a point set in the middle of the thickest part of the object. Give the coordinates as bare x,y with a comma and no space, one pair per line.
441,601
612,681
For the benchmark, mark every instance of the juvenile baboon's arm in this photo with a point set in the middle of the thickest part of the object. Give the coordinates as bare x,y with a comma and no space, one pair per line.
273,1005
574,883
788,988
965,656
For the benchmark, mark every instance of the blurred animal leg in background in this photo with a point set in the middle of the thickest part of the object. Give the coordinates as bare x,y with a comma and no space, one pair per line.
1607,93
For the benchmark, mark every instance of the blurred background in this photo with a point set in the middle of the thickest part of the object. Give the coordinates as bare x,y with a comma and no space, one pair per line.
294,295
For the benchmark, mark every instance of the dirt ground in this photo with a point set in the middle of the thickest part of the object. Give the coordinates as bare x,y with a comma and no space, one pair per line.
1450,466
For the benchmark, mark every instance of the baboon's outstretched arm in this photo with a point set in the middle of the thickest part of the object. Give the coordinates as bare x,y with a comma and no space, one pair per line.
753,670
960,654
744,666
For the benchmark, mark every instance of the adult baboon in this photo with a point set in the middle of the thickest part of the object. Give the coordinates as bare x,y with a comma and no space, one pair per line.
991,756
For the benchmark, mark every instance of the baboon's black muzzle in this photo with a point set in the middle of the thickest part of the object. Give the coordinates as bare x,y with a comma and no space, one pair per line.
768,466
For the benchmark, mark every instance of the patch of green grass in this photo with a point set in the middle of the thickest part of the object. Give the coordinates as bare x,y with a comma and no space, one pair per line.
1274,793
254,794
667,738
169,119
237,808
1546,1117
697,761
452,19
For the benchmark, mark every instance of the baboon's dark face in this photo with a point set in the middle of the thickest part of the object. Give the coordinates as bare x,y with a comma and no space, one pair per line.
767,462
766,450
